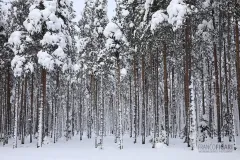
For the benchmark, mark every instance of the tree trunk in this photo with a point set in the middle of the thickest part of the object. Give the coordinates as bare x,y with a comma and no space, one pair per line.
31,112
187,79
166,92
135,99
42,105
217,93
237,63
143,102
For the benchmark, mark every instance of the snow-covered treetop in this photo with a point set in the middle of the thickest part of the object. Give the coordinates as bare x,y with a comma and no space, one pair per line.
101,18
47,24
174,14
204,30
112,30
19,12
82,43
177,10
37,16
16,41
114,35
21,64
158,18
91,40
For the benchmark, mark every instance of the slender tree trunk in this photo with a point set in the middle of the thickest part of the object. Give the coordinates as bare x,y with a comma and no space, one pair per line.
42,105
16,102
187,80
237,63
102,114
131,109
119,107
203,90
22,113
166,92
226,78
9,101
95,113
31,105
143,102
135,99
217,93
68,122
81,92
157,99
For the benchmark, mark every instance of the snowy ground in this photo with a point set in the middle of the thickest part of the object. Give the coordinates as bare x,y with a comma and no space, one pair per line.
84,150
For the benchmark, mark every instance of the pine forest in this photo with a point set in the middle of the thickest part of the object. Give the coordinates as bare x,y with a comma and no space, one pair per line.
156,70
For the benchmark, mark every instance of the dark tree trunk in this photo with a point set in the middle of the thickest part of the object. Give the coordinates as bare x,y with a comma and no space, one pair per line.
166,92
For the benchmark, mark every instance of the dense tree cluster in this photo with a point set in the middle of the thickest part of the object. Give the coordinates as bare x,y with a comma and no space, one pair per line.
159,68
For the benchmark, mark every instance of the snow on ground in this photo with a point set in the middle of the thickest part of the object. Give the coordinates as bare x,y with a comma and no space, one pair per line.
84,150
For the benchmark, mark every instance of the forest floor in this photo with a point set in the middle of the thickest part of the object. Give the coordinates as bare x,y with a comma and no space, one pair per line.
84,150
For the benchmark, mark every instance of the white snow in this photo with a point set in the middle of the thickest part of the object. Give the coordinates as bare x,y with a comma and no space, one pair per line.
76,67
54,38
130,1
29,67
32,23
123,71
147,6
81,43
17,65
109,43
59,53
125,12
46,60
57,33
160,145
131,25
176,14
206,3
84,150
157,18
15,40
113,33
113,30
177,10
204,29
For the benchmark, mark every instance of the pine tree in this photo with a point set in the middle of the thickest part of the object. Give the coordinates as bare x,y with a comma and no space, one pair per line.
86,48
100,23
160,69
51,34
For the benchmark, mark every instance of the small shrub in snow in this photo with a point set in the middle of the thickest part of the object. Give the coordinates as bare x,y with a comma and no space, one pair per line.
160,145
204,129
46,140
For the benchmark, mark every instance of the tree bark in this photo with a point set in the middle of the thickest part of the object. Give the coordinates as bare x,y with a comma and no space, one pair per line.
166,92
217,92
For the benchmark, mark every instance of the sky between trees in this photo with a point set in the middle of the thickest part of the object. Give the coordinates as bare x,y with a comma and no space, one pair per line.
79,4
